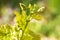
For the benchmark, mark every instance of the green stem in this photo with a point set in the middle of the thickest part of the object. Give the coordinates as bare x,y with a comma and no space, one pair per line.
24,29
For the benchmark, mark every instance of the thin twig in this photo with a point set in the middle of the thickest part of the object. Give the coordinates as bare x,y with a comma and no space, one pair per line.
24,30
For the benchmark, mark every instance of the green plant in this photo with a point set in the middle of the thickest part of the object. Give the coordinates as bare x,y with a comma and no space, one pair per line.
26,15
20,30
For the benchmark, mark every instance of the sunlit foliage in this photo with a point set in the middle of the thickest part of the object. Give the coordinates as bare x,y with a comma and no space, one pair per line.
20,30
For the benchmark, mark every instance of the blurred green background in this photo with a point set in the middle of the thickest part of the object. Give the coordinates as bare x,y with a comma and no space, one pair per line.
47,27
